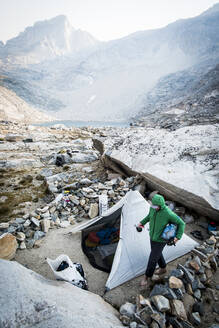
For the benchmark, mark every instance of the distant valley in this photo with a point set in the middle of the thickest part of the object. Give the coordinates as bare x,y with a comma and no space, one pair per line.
72,76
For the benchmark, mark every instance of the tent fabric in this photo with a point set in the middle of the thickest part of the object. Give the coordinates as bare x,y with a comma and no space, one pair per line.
133,249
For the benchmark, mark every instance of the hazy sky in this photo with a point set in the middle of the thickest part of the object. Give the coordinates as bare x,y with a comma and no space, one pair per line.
104,19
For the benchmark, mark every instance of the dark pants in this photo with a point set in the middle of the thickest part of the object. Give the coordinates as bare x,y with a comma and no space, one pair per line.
156,257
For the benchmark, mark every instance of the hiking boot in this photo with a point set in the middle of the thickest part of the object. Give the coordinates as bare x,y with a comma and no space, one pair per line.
160,271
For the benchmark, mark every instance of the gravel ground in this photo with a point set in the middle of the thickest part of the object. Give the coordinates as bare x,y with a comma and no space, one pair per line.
59,241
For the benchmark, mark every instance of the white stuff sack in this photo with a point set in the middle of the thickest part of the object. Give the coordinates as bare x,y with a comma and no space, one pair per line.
103,204
69,274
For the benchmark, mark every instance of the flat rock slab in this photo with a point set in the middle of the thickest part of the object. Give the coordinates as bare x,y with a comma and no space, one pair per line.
38,302
182,165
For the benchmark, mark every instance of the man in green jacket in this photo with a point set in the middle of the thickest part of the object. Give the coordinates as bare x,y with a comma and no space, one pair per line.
159,216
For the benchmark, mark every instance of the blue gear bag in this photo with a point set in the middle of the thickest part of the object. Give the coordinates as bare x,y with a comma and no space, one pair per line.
169,231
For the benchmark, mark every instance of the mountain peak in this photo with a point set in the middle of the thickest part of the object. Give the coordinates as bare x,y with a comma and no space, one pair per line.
58,20
211,10
48,39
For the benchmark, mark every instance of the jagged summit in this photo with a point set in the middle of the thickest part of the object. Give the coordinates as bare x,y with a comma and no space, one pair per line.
46,40
60,19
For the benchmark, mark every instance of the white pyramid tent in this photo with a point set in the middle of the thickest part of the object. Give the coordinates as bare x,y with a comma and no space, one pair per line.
133,249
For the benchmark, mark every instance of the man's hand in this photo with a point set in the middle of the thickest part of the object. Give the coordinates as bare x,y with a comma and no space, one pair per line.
175,240
139,227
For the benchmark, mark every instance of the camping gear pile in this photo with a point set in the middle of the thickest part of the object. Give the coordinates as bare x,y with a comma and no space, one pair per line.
102,237
100,247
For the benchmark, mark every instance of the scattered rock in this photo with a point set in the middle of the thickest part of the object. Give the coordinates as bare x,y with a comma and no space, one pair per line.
188,302
45,224
175,322
186,324
128,309
177,273
27,223
38,235
154,324
94,209
64,224
194,265
198,307
163,290
209,274
198,294
178,309
143,317
133,324
35,222
20,236
195,318
188,275
4,225
160,319
213,263
125,320
30,243
161,303
22,245
38,243
175,282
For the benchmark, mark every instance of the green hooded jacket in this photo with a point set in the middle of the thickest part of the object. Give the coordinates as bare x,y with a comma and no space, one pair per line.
159,219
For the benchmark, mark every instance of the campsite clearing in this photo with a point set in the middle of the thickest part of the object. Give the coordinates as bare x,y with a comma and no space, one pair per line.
58,241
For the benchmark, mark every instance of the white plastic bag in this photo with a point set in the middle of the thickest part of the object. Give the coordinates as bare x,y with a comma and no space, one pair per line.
70,274
103,204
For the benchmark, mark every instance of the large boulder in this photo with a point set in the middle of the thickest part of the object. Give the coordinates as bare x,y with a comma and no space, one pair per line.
182,165
8,246
29,300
